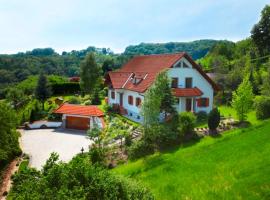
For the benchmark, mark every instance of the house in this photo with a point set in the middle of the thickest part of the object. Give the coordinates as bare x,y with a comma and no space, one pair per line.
193,89
80,117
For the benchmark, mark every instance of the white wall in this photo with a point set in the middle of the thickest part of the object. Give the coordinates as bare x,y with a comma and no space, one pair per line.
126,105
197,80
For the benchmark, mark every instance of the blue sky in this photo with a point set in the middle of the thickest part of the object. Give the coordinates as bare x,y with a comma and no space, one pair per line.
77,24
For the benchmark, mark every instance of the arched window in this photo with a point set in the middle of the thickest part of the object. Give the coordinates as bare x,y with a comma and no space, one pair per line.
138,101
130,100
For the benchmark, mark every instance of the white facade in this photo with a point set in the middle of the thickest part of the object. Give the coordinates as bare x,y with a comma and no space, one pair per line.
181,70
197,81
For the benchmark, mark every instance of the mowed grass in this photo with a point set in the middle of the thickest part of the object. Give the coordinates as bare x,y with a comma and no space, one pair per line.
235,165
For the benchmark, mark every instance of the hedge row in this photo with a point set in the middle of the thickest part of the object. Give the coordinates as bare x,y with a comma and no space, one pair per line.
65,88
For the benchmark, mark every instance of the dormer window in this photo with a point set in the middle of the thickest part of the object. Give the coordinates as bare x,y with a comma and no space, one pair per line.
136,80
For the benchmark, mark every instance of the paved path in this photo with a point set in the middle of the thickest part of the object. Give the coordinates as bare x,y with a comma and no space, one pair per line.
40,143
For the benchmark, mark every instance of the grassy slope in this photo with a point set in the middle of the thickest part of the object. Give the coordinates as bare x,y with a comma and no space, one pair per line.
233,166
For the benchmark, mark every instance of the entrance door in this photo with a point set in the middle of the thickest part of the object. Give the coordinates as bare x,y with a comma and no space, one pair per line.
121,99
188,105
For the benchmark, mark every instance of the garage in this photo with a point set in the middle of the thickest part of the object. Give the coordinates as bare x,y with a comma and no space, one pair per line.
80,123
80,117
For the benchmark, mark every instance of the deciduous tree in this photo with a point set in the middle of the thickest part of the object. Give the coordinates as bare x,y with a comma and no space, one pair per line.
261,32
242,99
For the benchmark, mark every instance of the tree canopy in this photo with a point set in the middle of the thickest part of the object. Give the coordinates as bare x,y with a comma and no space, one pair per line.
261,32
242,99
90,74
78,179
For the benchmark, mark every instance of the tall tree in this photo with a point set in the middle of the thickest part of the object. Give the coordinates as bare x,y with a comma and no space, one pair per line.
9,145
43,90
242,99
261,32
158,98
89,73
167,99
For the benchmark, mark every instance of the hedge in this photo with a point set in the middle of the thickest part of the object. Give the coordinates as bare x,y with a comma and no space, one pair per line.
65,88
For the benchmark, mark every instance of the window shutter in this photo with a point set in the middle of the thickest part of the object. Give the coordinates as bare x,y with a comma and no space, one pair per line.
199,102
207,102
130,100
138,101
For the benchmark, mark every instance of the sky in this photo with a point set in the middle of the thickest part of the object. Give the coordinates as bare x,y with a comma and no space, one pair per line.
67,25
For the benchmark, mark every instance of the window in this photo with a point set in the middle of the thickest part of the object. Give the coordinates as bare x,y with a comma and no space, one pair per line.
130,100
178,65
138,101
189,82
185,65
177,101
174,82
112,94
203,102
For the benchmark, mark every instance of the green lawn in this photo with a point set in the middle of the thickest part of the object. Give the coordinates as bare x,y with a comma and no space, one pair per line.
228,111
232,166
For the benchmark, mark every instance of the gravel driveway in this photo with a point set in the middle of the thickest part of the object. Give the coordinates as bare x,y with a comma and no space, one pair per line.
40,143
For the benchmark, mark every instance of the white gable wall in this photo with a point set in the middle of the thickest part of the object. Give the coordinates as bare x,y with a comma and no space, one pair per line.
197,81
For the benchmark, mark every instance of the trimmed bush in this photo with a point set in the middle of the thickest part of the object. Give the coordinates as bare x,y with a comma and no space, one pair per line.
262,106
213,120
186,123
201,116
140,149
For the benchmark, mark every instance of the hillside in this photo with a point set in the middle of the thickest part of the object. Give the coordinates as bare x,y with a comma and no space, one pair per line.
234,165
197,49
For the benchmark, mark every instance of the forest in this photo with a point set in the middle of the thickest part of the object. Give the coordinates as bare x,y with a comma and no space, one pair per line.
18,67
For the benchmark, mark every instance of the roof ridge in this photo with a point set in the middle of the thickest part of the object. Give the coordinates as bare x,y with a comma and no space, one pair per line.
161,54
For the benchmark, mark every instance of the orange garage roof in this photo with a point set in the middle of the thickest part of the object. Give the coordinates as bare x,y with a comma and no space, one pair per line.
73,109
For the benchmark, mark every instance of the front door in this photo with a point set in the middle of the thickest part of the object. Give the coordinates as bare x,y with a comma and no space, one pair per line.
121,99
188,104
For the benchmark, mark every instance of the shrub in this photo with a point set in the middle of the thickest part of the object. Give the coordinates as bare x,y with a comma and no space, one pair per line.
128,140
74,100
87,102
77,179
186,123
213,120
65,88
262,107
140,149
97,155
201,116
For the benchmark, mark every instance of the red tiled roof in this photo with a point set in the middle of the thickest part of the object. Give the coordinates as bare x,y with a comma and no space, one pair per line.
146,68
187,92
73,109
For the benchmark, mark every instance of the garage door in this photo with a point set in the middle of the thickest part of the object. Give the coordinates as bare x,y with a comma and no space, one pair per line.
77,123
